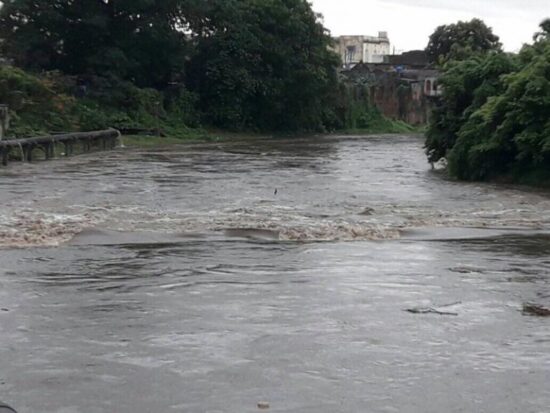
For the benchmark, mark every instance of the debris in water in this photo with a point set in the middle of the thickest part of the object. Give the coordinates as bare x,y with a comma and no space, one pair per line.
367,212
536,310
429,310
263,405
433,310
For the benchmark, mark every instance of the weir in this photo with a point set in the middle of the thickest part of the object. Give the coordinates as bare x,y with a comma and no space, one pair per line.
102,140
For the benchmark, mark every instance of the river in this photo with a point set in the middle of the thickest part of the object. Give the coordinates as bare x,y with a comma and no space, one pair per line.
210,277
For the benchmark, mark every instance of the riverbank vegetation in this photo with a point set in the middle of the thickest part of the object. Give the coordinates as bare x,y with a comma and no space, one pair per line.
175,66
493,121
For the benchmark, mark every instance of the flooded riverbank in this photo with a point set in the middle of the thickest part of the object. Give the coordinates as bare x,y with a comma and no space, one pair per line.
209,277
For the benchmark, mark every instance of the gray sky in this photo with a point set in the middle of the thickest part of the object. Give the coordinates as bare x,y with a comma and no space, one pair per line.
410,22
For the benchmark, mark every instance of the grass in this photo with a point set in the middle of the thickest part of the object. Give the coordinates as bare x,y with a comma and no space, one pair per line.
386,126
181,135
150,141
176,136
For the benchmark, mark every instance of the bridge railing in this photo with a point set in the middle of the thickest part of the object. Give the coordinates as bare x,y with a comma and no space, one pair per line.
104,140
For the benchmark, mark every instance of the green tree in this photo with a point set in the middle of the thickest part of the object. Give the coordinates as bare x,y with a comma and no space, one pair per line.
466,86
493,120
544,33
510,133
263,64
254,64
461,40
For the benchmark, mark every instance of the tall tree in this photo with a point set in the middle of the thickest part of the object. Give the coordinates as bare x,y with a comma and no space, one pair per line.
466,85
461,40
263,64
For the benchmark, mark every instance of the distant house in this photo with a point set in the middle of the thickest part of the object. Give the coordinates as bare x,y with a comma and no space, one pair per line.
362,49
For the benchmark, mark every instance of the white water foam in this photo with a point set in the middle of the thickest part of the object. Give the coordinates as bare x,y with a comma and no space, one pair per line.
37,229
29,228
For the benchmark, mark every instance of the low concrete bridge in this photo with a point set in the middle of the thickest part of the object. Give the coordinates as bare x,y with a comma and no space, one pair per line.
102,140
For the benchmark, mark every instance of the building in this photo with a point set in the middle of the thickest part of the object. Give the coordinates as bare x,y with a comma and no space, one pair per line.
362,49
415,59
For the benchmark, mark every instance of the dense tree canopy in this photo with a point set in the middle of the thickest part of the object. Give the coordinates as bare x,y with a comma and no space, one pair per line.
466,86
260,64
133,39
265,63
494,118
460,40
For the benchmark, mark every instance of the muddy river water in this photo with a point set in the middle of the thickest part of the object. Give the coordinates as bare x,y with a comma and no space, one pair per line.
210,277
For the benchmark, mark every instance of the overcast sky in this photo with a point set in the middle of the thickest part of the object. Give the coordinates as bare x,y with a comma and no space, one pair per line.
410,22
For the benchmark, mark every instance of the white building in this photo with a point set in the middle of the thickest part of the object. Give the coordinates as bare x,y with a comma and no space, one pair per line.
366,49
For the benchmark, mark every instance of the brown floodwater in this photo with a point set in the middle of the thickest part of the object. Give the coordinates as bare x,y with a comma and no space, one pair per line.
211,277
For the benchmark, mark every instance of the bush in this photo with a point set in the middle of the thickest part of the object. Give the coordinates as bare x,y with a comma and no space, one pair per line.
493,120
54,103
36,106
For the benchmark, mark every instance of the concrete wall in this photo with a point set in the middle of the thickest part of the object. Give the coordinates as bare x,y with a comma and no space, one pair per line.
401,102
406,95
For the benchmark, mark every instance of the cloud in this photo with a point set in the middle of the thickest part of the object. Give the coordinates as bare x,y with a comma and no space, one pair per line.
494,6
410,22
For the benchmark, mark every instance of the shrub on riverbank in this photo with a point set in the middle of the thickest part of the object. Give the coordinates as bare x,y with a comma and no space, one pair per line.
57,103
35,104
